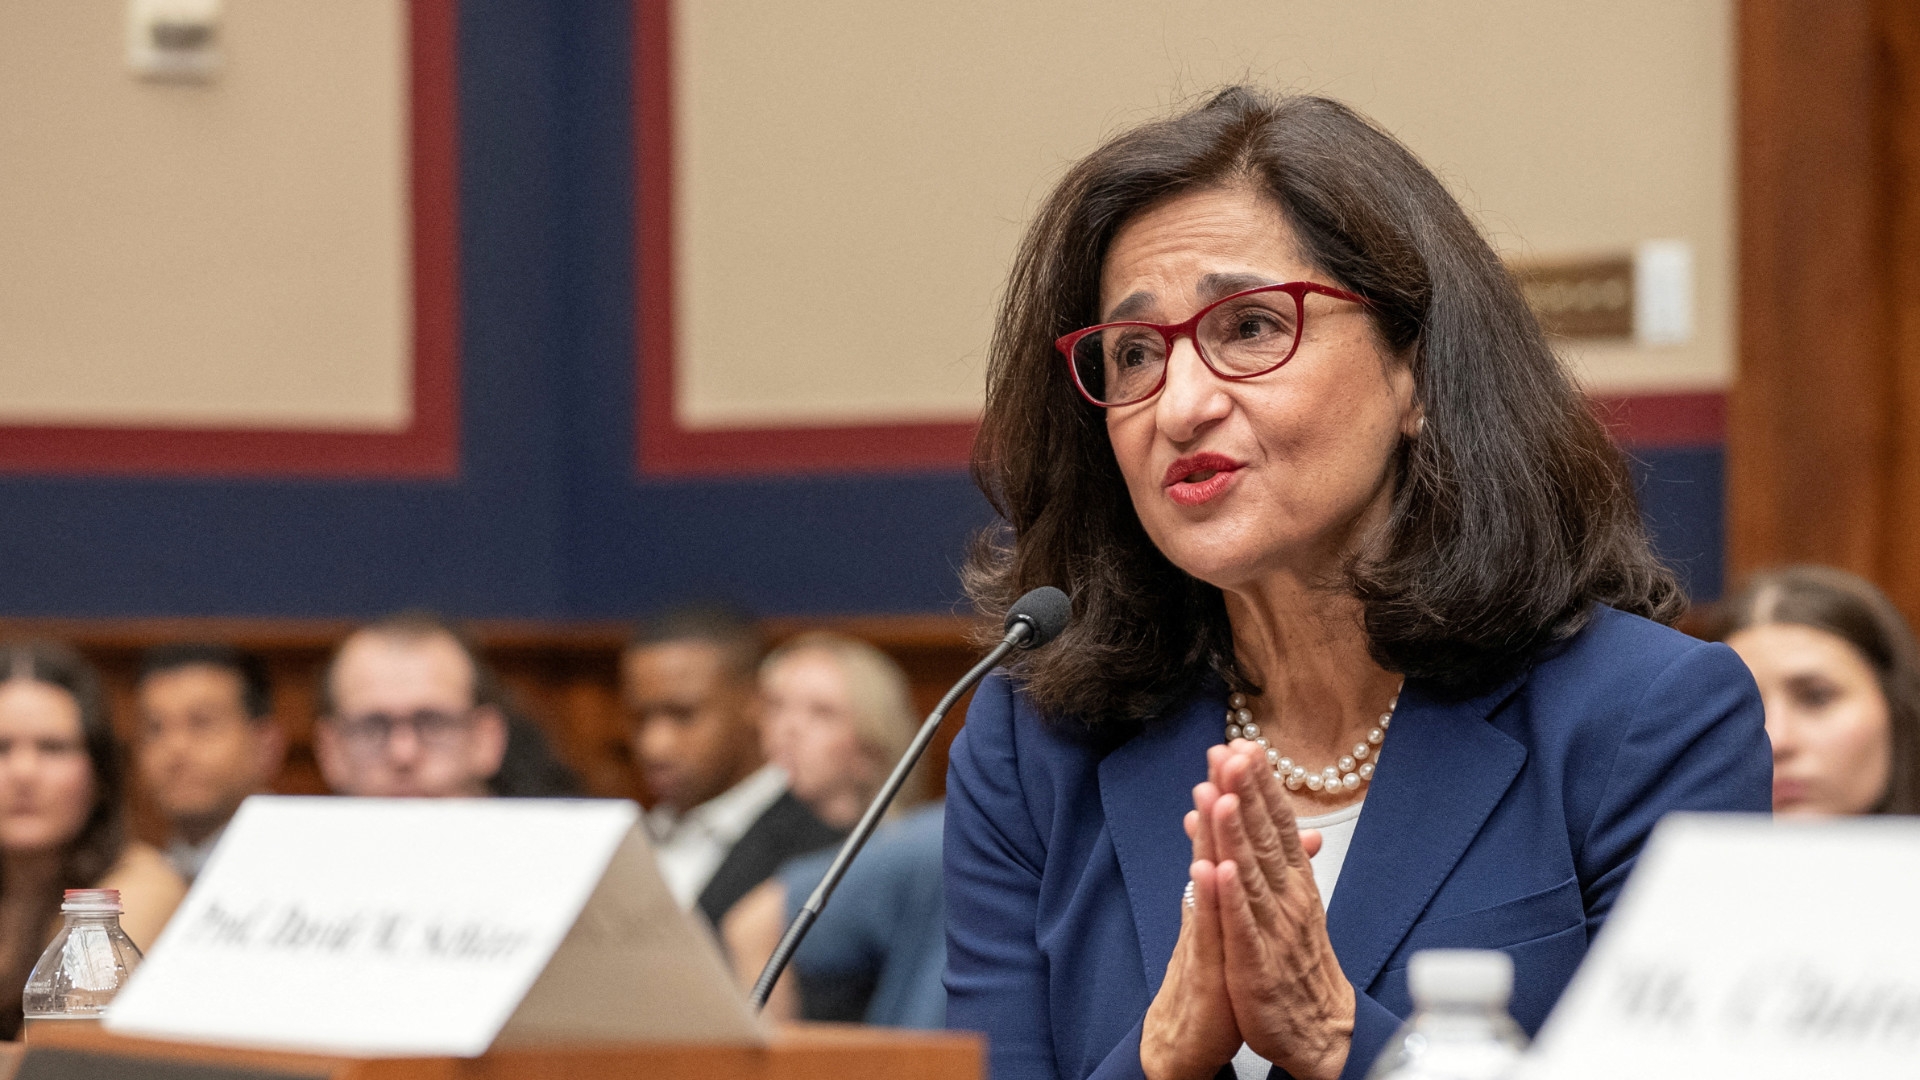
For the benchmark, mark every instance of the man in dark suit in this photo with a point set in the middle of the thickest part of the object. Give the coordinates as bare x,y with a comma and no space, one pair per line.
724,820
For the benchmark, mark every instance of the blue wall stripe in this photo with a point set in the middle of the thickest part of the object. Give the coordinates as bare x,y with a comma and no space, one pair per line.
1682,494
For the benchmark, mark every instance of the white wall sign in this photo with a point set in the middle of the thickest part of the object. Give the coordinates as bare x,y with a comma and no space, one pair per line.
432,927
1756,949
1663,292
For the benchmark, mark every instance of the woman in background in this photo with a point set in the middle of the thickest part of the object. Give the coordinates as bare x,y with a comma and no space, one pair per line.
1840,677
838,715
63,818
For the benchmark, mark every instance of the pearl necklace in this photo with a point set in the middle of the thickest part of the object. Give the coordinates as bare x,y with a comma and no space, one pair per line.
1347,774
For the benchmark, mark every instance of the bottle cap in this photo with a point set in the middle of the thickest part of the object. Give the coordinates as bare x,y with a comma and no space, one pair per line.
1460,977
91,901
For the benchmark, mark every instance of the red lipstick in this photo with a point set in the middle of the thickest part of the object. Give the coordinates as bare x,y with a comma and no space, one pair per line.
1199,478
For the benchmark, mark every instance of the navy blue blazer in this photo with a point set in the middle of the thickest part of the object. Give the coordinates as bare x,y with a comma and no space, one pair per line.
1505,821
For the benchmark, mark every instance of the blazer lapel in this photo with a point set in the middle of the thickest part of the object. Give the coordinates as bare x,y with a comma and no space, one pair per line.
1443,770
1146,789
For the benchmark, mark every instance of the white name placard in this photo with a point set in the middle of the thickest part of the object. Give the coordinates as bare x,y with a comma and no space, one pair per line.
432,927
1752,948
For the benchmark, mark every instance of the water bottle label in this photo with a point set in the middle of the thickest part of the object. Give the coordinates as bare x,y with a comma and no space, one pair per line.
88,958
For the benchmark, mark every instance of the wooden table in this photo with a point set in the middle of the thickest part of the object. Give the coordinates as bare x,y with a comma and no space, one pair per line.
798,1052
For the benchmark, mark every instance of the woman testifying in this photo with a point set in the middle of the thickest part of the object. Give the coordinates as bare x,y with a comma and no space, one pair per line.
1348,553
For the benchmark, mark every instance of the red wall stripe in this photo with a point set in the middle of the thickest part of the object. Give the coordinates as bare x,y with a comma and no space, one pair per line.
1666,421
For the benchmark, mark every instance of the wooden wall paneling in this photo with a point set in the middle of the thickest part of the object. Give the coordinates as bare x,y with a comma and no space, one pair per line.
569,684
1809,413
565,677
1899,570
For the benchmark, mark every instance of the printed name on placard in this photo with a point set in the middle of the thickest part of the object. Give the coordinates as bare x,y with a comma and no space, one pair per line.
289,926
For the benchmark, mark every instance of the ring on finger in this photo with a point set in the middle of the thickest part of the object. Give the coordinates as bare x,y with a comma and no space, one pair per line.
1186,896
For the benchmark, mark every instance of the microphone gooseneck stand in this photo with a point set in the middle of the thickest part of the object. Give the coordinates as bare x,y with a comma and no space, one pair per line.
1035,619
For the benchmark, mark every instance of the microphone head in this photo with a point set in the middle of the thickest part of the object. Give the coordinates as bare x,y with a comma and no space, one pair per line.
1046,611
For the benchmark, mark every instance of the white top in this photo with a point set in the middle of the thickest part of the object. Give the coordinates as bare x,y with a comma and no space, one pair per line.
1472,977
1336,836
690,847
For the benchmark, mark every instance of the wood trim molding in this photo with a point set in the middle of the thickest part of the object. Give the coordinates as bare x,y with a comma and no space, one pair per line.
1899,570
886,631
1809,414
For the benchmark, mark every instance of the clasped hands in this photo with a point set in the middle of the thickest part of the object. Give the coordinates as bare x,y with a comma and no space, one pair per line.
1253,963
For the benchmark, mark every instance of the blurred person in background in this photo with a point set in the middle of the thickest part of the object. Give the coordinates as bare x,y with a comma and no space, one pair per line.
208,739
409,708
723,820
531,770
1840,678
63,822
839,714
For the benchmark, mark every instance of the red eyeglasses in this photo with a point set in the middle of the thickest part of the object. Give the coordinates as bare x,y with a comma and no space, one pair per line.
1241,336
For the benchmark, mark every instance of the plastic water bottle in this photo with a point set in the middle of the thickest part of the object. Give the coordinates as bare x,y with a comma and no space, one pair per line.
1459,1029
87,963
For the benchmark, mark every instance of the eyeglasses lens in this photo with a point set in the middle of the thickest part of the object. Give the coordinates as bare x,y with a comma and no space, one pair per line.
1249,335
1120,364
372,733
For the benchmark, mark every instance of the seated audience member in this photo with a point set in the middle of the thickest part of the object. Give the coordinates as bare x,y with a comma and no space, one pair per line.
530,769
1840,680
723,820
63,822
838,716
408,708
208,739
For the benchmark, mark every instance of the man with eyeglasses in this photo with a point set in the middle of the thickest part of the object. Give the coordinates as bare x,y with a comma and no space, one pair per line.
723,820
402,714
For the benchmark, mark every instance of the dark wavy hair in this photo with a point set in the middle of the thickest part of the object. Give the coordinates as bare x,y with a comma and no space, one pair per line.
103,836
1852,610
1512,515
250,668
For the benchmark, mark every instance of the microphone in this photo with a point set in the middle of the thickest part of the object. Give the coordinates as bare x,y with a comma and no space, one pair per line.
1035,619
1044,611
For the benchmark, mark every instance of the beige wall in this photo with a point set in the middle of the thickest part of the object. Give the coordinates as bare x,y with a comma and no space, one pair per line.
233,254
853,177
852,180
